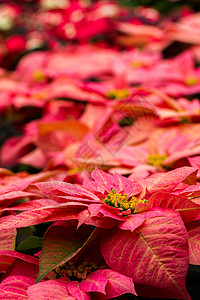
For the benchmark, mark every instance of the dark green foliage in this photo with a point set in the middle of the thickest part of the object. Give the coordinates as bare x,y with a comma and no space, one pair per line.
162,6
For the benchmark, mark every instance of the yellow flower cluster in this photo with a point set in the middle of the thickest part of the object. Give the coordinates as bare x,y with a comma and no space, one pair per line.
121,201
73,272
191,81
118,94
156,160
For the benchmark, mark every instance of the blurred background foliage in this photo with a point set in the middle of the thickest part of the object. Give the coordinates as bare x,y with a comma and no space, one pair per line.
163,6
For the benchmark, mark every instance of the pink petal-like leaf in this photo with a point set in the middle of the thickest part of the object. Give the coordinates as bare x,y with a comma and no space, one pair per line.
8,257
94,209
103,179
193,230
156,254
33,204
132,222
43,176
116,182
125,185
118,284
111,212
8,198
23,268
85,217
191,192
76,292
188,210
15,287
95,282
52,189
13,187
50,289
38,216
15,194
168,181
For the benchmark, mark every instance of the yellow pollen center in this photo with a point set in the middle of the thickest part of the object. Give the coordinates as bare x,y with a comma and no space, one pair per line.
41,95
118,94
38,75
74,272
136,64
156,159
191,81
121,201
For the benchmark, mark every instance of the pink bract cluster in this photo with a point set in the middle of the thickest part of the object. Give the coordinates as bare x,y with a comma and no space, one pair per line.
100,151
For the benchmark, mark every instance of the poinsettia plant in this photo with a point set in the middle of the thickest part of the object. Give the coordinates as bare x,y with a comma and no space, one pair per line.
110,91
141,227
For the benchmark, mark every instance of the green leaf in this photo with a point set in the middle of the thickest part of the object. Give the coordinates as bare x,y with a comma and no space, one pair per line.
59,246
31,242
